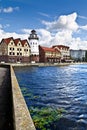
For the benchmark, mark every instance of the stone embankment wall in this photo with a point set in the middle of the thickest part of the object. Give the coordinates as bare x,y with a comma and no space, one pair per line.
41,64
6,111
22,118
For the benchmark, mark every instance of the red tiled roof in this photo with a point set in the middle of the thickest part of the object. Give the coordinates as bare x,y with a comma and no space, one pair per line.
7,40
24,41
17,40
46,49
59,46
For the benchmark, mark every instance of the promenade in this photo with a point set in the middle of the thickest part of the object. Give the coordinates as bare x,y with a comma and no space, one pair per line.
14,114
6,121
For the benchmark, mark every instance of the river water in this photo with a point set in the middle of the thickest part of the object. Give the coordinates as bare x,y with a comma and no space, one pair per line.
58,87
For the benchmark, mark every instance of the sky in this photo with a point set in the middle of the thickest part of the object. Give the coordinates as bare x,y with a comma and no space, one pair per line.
57,22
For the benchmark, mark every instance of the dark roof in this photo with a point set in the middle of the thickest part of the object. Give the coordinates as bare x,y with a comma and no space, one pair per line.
59,46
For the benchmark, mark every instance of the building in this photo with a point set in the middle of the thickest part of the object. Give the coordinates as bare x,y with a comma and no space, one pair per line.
65,52
50,55
14,50
20,51
78,55
33,42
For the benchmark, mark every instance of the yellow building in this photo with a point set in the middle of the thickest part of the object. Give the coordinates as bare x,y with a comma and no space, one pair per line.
14,50
65,52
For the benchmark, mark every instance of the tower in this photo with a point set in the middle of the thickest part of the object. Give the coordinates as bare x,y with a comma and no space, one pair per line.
33,41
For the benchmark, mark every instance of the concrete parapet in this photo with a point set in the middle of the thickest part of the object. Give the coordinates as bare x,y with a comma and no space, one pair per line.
22,118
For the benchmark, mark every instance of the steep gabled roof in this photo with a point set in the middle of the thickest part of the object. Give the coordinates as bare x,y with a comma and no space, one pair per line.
24,41
17,40
7,40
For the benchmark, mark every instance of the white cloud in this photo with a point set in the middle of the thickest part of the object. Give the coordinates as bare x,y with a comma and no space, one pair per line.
44,14
6,26
63,22
77,43
26,31
65,26
45,37
0,26
4,34
9,9
83,27
82,17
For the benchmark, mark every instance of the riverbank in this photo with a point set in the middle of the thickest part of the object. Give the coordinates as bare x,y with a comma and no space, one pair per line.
41,64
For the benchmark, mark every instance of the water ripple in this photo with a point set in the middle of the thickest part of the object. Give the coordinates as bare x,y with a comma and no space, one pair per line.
60,87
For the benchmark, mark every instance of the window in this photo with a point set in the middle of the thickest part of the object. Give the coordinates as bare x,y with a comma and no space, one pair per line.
11,43
9,53
17,53
25,49
25,44
19,49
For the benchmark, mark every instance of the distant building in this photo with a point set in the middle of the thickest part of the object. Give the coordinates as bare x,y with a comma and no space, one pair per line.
78,55
50,55
65,52
34,45
14,50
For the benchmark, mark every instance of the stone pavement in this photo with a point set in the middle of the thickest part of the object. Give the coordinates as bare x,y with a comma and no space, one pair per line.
6,119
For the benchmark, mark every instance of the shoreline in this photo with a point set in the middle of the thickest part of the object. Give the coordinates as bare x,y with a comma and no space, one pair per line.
41,64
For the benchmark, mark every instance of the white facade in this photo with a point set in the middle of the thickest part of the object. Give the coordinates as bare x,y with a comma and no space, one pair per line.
34,46
33,42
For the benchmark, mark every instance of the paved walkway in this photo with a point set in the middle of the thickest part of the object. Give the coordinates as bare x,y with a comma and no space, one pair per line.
6,120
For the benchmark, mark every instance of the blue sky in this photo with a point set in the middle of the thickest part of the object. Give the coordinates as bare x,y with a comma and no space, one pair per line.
56,21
